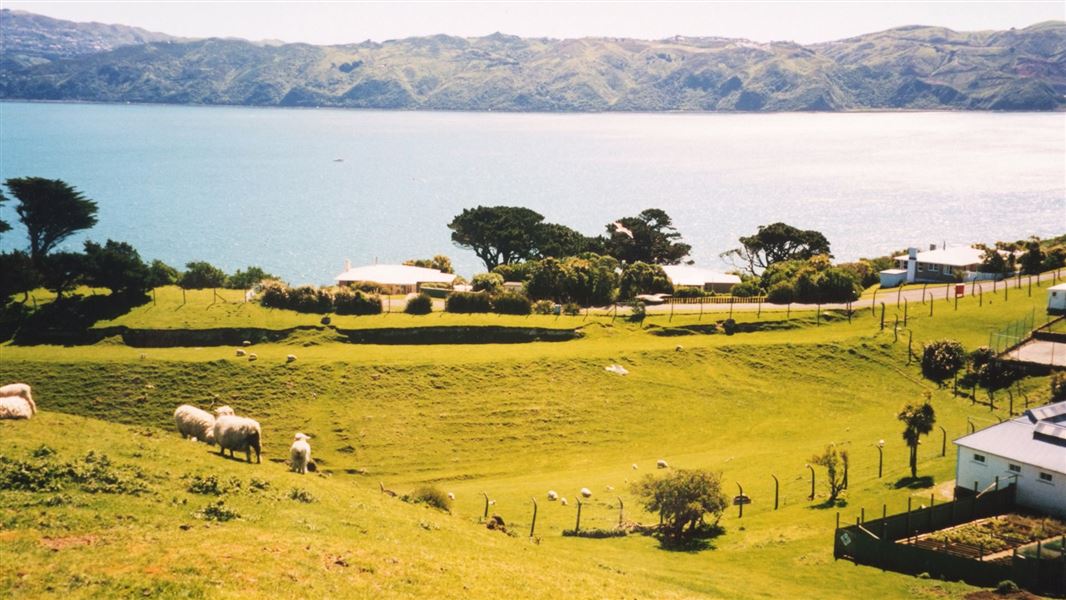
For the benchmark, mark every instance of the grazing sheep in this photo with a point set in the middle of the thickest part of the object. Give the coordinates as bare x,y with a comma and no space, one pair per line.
679,348
634,466
247,343
238,433
241,352
300,452
610,488
223,410
290,358
586,492
563,501
451,495
552,495
194,423
17,391
661,464
252,356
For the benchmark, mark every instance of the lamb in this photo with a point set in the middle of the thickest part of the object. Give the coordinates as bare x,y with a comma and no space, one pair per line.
661,464
451,495
300,453
16,401
586,492
252,356
563,501
553,495
240,352
290,358
238,433
194,423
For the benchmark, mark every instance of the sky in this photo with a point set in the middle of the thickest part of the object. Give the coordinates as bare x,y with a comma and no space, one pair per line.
342,21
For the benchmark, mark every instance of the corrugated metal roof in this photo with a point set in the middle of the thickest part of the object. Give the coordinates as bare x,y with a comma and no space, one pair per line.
395,275
689,275
1017,440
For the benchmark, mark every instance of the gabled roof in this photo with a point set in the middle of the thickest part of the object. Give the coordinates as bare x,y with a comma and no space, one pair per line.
689,275
1036,438
956,256
395,275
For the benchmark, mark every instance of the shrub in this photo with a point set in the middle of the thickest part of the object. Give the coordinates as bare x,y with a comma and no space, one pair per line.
544,307
301,495
431,496
780,293
942,359
689,292
637,311
487,282
468,302
981,356
683,499
199,275
642,278
274,294
571,309
357,302
512,303
243,280
1058,387
421,304
310,300
729,326
745,289
515,271
217,511
212,485
1007,587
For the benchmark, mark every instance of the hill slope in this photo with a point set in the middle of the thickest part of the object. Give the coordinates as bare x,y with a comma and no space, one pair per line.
904,68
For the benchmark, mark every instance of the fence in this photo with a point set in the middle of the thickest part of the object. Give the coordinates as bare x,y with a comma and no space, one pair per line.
1012,334
878,543
718,300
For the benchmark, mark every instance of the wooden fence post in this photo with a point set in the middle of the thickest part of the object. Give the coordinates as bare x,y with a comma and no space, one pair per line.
533,524
577,525
777,488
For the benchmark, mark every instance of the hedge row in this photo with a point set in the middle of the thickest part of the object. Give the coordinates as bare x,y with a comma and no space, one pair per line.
341,301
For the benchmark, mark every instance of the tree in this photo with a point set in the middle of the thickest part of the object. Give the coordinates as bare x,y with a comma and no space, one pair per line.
642,278
918,420
993,261
199,275
116,266
51,210
17,275
439,262
560,241
245,280
649,237
775,243
61,272
4,225
547,280
683,499
942,359
1033,259
497,234
487,282
591,279
160,274
836,468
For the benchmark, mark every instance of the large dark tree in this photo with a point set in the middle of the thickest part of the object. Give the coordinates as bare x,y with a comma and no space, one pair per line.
498,234
201,275
116,266
4,225
17,275
51,210
775,243
61,272
918,420
560,241
649,237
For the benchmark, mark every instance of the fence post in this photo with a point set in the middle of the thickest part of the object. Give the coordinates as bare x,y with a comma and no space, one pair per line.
777,488
873,302
812,481
931,303
895,330
862,515
788,311
910,340
882,316
621,511
943,441
905,305
740,501
486,515
534,523
932,505
577,525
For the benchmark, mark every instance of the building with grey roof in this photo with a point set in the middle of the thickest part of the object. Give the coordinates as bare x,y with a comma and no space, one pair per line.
1029,450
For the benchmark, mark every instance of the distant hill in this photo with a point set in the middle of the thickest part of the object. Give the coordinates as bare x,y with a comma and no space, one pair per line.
903,68
33,39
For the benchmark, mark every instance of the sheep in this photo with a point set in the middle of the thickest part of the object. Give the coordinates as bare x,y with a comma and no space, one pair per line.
238,433
451,495
563,501
586,492
610,488
290,358
252,356
223,410
553,495
300,452
634,466
247,342
240,352
661,464
194,423
16,401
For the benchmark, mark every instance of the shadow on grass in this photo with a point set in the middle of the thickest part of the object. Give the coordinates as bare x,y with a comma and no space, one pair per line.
67,320
914,483
838,503
702,538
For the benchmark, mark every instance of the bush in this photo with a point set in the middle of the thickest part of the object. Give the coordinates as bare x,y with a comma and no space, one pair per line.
729,326
572,309
512,303
430,496
200,275
487,282
301,495
421,304
683,498
212,486
1007,587
981,356
310,300
745,289
1058,387
515,271
544,307
689,292
217,511
468,302
642,278
780,293
942,359
357,302
274,294
637,311
244,280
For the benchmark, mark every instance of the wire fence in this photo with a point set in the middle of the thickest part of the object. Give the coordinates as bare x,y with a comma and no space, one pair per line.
1012,334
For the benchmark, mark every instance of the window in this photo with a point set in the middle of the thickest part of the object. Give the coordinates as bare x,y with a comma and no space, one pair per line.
1015,468
1045,477
921,267
979,458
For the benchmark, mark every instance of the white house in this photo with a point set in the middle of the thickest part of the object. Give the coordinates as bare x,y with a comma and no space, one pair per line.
403,278
689,276
936,265
1030,450
1056,299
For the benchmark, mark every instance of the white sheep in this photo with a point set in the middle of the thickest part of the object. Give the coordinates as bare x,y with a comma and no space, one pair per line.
194,423
586,492
553,495
634,466
240,352
238,433
252,356
300,453
563,501
16,401
451,495
223,410
290,358
661,464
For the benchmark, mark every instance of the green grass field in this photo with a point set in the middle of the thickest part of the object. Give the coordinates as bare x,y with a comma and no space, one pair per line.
511,421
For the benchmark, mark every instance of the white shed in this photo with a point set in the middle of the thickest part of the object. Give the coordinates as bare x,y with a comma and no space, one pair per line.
1056,299
1029,450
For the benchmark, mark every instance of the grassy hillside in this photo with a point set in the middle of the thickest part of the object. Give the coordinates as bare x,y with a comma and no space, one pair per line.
510,421
904,68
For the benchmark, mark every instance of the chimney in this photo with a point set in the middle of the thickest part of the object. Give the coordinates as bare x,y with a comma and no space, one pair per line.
347,265
932,246
912,264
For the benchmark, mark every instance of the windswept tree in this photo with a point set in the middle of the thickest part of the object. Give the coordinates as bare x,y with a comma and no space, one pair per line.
17,275
61,272
498,234
51,210
4,225
560,241
116,266
201,275
918,420
776,243
649,237
684,499
160,274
